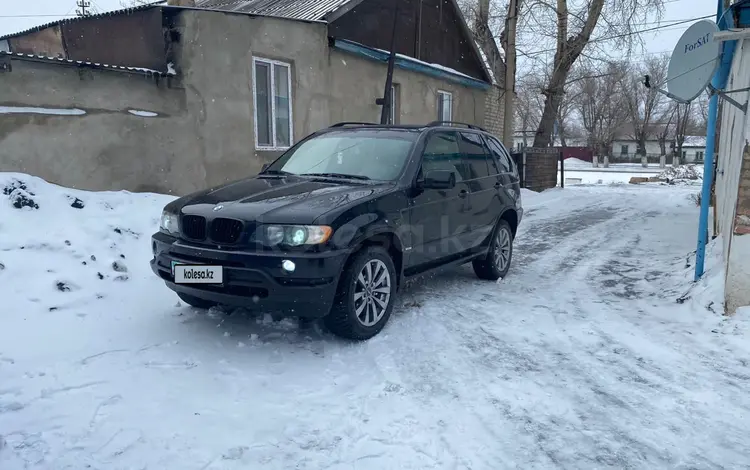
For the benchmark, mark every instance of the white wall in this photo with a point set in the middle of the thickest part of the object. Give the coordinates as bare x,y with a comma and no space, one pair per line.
734,133
653,149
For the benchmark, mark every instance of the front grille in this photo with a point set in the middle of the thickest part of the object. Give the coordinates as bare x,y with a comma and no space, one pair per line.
226,230
194,227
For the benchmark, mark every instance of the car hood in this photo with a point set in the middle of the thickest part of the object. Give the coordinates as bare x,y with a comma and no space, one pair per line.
287,200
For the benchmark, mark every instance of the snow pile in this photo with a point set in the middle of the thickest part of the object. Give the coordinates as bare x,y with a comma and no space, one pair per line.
680,174
576,162
62,247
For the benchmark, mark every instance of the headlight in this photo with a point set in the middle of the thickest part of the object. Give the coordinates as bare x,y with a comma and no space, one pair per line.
169,222
296,235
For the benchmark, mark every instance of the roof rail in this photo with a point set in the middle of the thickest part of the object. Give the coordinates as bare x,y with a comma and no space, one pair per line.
342,124
454,123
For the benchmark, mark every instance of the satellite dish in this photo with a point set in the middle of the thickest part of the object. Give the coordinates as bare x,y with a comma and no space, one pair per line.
694,61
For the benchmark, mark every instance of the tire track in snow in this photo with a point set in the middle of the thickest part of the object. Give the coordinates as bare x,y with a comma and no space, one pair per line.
553,266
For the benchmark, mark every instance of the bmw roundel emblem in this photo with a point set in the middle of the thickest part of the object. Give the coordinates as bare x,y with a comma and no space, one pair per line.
218,208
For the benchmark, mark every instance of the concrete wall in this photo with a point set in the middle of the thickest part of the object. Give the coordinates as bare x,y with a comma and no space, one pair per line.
204,132
105,148
733,171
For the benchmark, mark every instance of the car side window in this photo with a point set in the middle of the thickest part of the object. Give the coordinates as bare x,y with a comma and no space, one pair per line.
500,154
441,152
474,156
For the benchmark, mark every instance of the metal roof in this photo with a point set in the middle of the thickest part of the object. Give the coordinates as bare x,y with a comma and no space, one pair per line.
123,11
310,10
83,63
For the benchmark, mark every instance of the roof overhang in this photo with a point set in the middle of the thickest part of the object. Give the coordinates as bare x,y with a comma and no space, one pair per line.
84,64
407,63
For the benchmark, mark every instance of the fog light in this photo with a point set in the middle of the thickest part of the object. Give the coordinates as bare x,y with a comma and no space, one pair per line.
288,266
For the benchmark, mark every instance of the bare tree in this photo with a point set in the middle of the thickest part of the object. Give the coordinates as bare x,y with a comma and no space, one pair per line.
600,104
528,109
617,21
484,35
701,111
683,118
643,103
666,124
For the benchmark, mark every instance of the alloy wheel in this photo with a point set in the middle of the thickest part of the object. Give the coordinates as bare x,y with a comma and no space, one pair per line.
372,292
502,249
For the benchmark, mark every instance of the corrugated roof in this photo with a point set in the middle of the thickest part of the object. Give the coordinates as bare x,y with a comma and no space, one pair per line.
310,10
123,11
61,60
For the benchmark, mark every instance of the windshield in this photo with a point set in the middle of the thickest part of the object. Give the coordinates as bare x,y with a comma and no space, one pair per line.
364,154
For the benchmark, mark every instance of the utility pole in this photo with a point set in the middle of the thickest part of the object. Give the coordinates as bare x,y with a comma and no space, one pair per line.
386,101
84,8
510,71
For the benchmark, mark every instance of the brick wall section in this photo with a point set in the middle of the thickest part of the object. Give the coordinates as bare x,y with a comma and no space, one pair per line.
493,111
541,169
742,218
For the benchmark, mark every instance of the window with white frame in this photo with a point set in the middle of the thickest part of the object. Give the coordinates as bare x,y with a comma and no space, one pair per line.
445,106
272,87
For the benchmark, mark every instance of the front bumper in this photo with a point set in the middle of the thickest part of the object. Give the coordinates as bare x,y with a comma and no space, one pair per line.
255,280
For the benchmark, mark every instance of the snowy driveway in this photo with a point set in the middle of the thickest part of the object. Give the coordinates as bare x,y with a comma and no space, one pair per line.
581,358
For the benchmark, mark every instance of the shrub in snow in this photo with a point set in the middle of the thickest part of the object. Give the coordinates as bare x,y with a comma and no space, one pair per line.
64,286
77,204
20,195
679,174
2,266
119,267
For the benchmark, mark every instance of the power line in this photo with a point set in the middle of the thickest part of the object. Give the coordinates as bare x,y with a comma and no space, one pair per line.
632,33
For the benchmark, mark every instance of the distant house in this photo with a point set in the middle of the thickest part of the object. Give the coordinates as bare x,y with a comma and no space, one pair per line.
174,98
693,148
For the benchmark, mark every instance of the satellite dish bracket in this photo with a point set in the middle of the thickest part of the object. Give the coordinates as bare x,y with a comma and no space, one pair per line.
647,84
711,90
729,99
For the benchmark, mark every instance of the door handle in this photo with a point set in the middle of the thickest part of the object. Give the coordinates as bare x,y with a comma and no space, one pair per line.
463,193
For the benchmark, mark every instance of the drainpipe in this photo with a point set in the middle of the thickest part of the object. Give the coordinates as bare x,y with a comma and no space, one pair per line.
718,82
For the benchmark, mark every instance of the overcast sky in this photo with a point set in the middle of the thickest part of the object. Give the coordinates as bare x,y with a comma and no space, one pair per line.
17,15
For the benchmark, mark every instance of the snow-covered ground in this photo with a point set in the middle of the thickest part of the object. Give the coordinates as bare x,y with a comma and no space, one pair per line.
581,172
595,352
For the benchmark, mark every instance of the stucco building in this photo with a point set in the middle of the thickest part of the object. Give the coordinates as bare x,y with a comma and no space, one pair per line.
174,98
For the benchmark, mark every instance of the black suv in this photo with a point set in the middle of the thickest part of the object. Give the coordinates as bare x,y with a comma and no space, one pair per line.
341,220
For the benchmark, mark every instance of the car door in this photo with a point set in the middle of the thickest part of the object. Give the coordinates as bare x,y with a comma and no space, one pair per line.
483,189
436,215
510,190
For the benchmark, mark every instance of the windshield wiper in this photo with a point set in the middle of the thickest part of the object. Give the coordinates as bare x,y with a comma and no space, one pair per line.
338,175
276,172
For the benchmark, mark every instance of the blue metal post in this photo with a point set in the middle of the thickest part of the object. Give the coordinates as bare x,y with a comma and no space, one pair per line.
718,82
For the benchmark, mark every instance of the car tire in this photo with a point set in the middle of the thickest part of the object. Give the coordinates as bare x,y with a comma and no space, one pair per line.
496,263
196,302
360,310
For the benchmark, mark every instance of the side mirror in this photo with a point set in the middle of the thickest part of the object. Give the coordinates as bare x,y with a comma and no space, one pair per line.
263,168
439,179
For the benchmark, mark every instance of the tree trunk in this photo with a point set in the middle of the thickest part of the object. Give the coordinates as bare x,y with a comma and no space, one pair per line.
568,49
